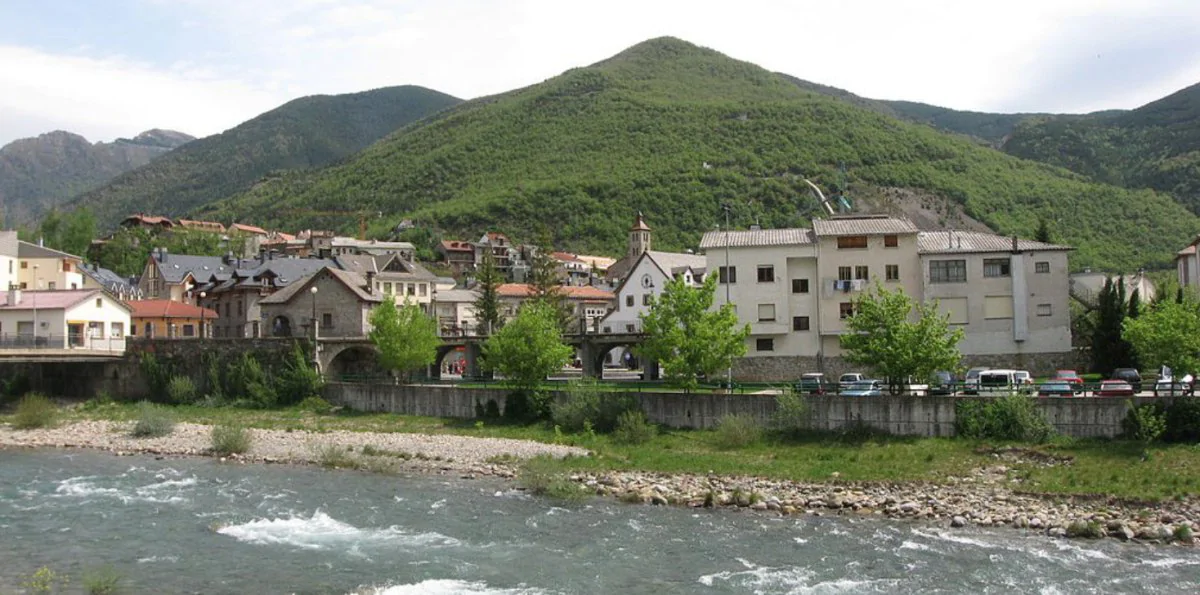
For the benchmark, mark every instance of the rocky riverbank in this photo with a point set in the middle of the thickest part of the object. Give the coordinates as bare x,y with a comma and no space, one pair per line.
988,497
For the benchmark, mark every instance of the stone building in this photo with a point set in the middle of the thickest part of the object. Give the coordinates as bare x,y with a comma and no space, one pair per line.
338,301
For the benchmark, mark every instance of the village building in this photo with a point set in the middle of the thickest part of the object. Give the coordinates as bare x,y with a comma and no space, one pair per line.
455,312
338,302
78,319
587,304
39,267
152,319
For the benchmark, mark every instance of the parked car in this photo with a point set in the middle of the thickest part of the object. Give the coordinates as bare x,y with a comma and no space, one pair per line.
812,383
1168,386
942,383
863,388
971,380
1130,375
999,382
1114,388
850,378
1024,381
1069,376
1056,388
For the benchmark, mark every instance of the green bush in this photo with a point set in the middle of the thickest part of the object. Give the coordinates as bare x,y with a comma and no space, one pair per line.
181,390
1144,424
153,421
1012,417
738,431
586,404
102,581
334,456
1087,529
1183,421
229,439
315,405
540,477
791,414
34,411
157,374
526,405
298,380
633,428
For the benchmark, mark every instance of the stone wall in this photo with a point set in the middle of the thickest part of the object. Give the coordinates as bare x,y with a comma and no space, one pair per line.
75,379
902,415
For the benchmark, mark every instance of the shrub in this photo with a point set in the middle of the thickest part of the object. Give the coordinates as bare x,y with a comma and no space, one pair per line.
1183,421
298,381
540,477
181,390
1013,417
1088,529
102,581
153,421
44,581
229,439
34,411
586,405
158,374
334,456
633,428
315,405
791,414
1144,424
526,405
738,431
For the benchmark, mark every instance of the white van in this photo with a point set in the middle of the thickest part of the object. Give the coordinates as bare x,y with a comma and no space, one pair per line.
1000,382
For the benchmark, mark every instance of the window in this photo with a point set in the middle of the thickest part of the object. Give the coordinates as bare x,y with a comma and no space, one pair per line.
764,344
629,300
766,273
862,272
326,320
844,273
727,275
608,330
421,289
23,285
766,312
890,241
846,310
997,307
892,272
954,308
149,331
24,264
997,267
239,307
645,299
947,271
845,242
799,323
66,267
799,285
1041,267
189,330
631,328
387,287
118,330
51,286
1044,310
99,301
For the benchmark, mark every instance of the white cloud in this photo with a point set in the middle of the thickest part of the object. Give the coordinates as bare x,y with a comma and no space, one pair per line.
965,55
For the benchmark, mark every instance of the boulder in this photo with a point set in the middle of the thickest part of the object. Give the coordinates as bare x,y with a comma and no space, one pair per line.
958,521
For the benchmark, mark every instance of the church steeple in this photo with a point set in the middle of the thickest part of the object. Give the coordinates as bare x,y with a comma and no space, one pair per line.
639,237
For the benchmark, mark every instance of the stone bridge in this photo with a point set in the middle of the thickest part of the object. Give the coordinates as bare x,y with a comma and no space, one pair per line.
340,356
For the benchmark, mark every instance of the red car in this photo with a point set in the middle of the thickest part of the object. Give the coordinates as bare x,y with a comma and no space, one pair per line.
1114,388
1068,376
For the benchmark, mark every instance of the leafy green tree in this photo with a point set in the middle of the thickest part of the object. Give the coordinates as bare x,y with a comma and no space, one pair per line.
1109,349
687,337
1167,335
487,307
527,350
70,232
406,337
883,335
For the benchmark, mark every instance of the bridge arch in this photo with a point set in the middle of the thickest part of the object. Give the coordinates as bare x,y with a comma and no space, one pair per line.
355,359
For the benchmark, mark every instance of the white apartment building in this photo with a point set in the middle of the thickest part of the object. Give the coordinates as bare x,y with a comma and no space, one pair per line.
8,259
795,288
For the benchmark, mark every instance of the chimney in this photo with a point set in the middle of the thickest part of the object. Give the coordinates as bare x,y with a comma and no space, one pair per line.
1014,244
41,242
14,295
370,281
950,238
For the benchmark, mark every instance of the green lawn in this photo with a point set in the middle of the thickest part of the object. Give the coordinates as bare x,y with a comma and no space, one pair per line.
1096,467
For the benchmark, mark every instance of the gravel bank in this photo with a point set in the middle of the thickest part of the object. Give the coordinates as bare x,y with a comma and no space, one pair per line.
441,452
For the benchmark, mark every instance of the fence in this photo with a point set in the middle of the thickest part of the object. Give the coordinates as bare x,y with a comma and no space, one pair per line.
30,342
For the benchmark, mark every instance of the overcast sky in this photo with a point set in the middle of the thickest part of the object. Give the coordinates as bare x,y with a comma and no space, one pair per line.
113,68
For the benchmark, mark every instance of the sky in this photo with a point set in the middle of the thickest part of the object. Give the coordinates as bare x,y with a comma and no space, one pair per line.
112,68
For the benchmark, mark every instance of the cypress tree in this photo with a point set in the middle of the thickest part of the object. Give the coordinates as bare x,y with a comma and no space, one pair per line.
1043,232
487,307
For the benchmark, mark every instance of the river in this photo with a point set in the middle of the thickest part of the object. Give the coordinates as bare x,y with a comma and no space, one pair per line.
200,526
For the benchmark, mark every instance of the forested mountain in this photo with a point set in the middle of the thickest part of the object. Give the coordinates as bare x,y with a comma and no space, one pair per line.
676,130
37,174
307,132
1154,146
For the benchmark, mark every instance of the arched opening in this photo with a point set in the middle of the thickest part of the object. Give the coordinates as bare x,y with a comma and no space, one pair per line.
355,363
281,327
618,362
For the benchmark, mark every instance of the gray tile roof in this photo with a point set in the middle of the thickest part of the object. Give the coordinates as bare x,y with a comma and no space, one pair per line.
962,242
756,237
108,279
353,281
862,226
177,266
674,262
30,250
456,295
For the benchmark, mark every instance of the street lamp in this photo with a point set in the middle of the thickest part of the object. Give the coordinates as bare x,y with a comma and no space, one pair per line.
203,294
316,357
35,320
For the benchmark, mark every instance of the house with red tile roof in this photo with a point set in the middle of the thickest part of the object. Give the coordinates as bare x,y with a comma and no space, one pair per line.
170,319
588,304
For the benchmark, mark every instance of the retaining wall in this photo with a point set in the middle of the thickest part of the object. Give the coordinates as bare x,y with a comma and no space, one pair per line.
900,415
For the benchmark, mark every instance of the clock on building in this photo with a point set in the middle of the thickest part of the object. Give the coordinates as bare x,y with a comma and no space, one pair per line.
647,281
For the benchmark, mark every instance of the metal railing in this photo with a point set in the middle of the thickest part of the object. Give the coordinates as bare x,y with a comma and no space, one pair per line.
29,342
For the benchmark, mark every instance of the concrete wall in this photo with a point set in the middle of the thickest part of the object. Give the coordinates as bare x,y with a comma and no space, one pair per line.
915,416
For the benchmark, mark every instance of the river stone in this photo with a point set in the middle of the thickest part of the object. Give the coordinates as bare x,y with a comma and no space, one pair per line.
909,507
958,521
1123,532
1035,523
758,506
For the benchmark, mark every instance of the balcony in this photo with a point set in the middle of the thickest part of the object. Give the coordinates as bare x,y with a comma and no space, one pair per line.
834,287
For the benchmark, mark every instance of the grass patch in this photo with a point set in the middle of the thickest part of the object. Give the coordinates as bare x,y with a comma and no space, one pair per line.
35,411
102,581
632,428
541,476
230,439
153,421
334,456
738,431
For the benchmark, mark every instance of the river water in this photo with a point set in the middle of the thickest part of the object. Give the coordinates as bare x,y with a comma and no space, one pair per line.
199,526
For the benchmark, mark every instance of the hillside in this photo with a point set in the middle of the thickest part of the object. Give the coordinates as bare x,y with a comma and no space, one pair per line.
37,174
1154,146
676,130
307,132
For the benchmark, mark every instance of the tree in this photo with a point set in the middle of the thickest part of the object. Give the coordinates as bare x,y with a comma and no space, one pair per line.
546,286
1043,232
687,337
487,307
406,337
527,350
1167,335
882,335
1109,350
1135,304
